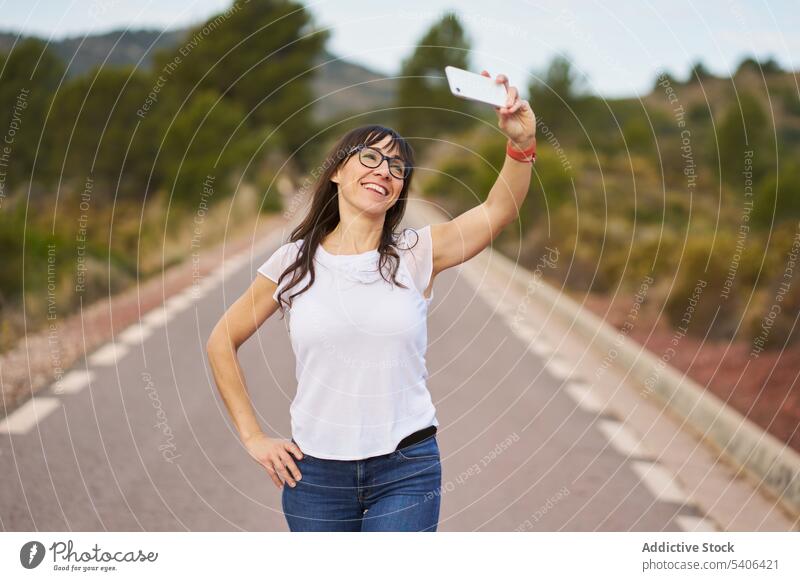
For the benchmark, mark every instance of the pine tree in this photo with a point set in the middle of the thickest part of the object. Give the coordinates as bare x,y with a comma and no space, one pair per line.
257,55
426,107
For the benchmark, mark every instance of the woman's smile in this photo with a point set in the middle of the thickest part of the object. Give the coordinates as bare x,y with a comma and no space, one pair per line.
379,190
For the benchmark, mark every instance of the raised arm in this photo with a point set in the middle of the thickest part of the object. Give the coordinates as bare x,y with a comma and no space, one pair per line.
466,235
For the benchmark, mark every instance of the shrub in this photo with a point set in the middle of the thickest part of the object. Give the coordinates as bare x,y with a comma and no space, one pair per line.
698,301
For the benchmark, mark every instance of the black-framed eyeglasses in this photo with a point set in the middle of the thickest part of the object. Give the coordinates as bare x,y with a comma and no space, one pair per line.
372,158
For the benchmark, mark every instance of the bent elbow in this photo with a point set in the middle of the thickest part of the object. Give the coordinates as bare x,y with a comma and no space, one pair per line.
215,343
218,344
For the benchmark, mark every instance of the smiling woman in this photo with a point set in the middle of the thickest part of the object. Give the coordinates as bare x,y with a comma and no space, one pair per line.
363,453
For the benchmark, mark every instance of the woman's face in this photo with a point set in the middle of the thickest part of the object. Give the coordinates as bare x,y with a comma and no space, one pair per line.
370,190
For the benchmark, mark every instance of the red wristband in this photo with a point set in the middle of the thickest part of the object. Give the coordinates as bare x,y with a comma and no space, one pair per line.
529,155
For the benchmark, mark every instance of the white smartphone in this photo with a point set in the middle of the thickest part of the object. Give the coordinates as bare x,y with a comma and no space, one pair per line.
475,87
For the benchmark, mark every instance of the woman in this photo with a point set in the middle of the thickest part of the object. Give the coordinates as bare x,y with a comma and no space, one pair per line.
364,455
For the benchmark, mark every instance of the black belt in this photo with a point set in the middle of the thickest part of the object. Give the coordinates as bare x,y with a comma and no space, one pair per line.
417,436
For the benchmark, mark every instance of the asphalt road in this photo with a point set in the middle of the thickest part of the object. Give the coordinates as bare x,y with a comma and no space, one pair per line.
147,443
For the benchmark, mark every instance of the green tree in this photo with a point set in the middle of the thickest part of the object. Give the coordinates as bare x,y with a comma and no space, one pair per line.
197,146
425,104
259,56
29,78
699,73
696,301
767,67
777,195
93,123
665,78
744,128
558,95
638,134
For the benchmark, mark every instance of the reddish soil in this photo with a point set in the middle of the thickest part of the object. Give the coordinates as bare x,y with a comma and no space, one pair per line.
763,389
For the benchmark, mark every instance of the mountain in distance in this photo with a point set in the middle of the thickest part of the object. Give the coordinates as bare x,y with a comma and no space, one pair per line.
342,86
366,90
116,48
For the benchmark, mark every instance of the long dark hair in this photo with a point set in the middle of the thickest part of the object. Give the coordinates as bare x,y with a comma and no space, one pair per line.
323,217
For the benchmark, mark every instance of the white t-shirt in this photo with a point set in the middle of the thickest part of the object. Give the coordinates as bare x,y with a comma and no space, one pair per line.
360,345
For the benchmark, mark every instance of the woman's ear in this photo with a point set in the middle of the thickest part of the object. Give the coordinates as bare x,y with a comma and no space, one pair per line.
335,176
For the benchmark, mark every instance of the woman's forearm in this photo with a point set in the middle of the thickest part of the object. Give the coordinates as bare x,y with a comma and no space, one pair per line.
509,191
231,385
517,121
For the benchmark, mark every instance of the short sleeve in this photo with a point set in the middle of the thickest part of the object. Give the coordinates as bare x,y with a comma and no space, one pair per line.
276,264
419,246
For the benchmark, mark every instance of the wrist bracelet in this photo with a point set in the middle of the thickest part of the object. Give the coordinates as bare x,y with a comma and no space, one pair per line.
528,155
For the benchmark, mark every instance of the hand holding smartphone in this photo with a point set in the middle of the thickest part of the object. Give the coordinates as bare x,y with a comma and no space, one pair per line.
515,117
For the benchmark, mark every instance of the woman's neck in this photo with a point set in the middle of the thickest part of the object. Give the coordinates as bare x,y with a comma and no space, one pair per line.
353,239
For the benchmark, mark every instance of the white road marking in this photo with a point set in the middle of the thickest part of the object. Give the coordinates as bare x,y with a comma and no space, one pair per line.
21,420
526,329
157,317
188,292
506,310
198,291
28,415
696,524
73,382
621,438
540,348
584,397
659,481
207,283
559,368
135,334
521,327
108,354
178,302
234,264
205,286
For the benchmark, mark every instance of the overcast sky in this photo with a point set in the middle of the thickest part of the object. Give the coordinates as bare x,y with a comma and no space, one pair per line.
620,46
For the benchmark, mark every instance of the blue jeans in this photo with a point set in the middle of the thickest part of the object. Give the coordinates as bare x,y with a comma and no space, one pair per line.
399,491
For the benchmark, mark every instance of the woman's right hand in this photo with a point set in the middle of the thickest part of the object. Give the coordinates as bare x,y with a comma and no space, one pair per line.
274,455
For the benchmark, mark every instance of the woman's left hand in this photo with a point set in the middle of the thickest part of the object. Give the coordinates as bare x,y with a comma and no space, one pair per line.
516,118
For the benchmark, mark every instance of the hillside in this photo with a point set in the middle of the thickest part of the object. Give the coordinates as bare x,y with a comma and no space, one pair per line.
115,48
366,90
345,86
